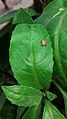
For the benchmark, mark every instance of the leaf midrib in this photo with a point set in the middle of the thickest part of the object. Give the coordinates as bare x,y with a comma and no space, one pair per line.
21,94
56,15
33,61
50,111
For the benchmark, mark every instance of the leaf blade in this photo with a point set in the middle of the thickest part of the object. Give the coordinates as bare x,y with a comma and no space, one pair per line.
22,95
34,68
51,96
22,17
7,16
33,113
56,26
51,112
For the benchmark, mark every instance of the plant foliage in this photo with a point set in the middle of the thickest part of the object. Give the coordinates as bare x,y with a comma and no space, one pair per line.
33,71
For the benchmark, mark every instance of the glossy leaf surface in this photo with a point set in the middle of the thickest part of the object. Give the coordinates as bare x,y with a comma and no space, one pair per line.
22,95
31,62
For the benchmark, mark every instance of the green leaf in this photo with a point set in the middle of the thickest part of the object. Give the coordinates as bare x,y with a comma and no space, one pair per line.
50,11
22,17
33,113
31,63
7,16
58,31
20,111
32,12
22,95
51,112
2,100
50,95
56,24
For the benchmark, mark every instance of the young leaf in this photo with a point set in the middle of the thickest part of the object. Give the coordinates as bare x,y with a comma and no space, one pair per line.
51,112
33,113
56,24
22,95
31,61
22,17
50,95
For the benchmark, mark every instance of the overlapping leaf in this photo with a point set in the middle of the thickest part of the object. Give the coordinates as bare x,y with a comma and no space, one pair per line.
22,17
22,95
33,113
56,23
7,16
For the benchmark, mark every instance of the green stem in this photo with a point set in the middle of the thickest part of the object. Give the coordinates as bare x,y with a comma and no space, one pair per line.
43,3
64,93
58,86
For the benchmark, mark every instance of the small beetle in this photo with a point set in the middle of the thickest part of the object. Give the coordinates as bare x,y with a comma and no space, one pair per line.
43,43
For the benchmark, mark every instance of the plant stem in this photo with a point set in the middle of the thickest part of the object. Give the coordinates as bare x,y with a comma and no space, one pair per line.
58,86
64,94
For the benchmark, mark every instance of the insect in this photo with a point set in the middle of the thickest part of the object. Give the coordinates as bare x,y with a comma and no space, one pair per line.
43,43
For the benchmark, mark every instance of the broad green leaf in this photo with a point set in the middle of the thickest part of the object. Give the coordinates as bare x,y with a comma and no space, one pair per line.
20,111
7,16
22,95
56,24
50,95
31,63
51,112
33,113
22,17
